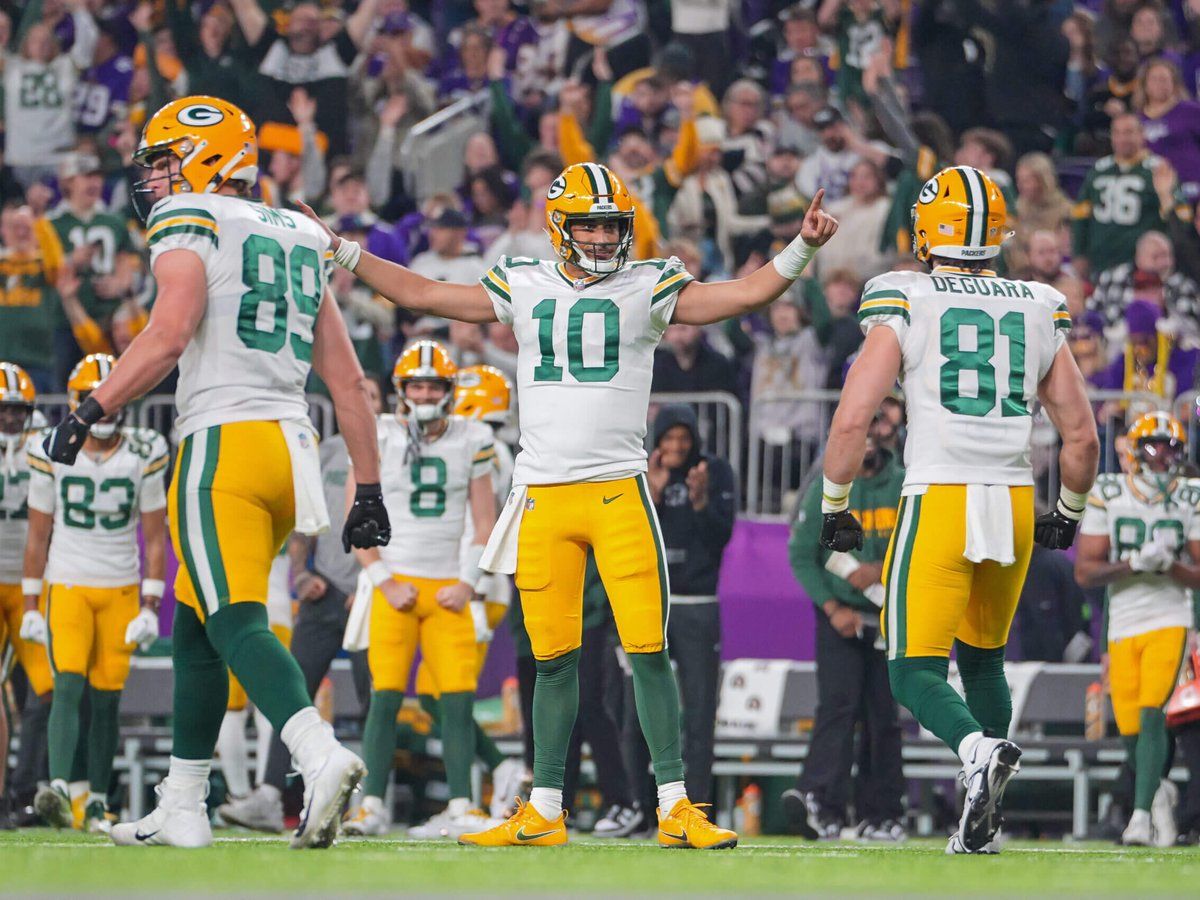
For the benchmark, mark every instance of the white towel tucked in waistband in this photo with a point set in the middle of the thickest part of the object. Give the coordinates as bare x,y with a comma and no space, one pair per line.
312,516
989,524
500,554
358,623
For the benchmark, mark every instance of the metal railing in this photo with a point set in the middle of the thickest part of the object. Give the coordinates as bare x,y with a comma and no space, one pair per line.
719,415
432,151
782,459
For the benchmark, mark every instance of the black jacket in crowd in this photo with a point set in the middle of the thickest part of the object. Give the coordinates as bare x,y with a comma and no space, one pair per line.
694,540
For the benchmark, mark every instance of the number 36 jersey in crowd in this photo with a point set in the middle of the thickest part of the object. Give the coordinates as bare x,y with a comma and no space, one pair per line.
425,490
96,507
974,349
585,359
266,272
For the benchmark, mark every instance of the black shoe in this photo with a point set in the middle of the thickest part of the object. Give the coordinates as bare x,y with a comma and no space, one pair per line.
8,821
804,815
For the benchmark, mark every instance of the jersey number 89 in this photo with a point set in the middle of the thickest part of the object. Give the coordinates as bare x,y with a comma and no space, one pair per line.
298,274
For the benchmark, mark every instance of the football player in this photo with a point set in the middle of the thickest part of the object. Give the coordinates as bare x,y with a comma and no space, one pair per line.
586,325
437,475
82,555
17,398
1141,540
243,309
972,351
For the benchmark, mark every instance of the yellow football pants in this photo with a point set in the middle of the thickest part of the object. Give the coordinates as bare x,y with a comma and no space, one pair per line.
237,693
230,508
1142,672
427,684
87,632
934,594
615,518
32,657
446,640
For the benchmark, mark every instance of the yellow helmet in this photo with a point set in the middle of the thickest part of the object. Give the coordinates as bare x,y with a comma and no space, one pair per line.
484,393
213,140
424,361
959,214
16,389
589,191
87,375
1157,443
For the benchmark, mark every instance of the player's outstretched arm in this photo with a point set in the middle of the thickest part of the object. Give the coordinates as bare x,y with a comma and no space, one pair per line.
702,304
464,302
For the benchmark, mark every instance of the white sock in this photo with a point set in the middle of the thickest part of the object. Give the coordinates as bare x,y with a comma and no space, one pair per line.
308,738
547,801
669,794
967,746
93,797
186,783
262,744
460,806
232,751
77,789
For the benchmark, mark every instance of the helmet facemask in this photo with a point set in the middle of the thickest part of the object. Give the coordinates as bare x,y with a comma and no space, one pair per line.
144,191
425,414
1159,455
15,420
584,253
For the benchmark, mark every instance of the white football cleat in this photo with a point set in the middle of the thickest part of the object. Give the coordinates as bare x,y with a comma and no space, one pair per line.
620,821
508,781
955,846
993,762
259,810
179,820
1140,830
1162,814
327,789
444,825
371,819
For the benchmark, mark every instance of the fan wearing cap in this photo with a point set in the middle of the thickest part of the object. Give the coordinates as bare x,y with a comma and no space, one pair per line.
447,258
841,147
586,326
1152,361
1140,539
972,352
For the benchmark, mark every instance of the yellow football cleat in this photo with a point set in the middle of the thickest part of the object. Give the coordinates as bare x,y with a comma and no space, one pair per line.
78,809
688,827
526,828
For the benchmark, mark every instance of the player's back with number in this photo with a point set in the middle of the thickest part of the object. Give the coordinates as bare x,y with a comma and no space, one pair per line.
974,347
265,273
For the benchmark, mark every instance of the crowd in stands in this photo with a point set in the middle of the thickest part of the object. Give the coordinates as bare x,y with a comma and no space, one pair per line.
722,117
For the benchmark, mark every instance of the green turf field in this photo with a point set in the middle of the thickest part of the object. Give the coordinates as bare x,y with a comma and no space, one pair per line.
65,864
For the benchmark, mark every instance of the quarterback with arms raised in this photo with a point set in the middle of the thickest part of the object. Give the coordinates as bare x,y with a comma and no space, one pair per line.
586,326
244,309
972,351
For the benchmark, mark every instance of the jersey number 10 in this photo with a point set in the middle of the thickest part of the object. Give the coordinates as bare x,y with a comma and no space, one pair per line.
548,369
979,361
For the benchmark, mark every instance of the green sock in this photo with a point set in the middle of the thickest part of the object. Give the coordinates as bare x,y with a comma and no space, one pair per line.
201,688
63,730
986,687
102,738
379,740
657,698
1151,756
269,673
458,740
919,684
79,764
555,706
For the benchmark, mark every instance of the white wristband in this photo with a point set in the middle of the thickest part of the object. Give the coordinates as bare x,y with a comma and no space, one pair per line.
153,587
347,254
835,497
791,260
31,586
1071,503
379,573
468,568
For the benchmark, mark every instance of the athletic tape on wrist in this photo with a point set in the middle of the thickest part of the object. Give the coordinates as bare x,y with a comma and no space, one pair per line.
153,587
347,254
31,586
835,497
1071,503
469,570
792,259
379,573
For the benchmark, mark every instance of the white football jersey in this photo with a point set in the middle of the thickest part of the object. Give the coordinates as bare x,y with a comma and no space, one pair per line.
585,360
974,350
97,506
266,270
1130,510
426,493
14,510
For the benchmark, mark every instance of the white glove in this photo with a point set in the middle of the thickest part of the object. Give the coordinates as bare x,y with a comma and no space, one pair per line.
1153,556
483,634
143,630
33,627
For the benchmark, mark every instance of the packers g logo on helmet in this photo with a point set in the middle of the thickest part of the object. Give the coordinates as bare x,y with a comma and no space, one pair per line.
1157,443
424,361
200,115
959,214
587,192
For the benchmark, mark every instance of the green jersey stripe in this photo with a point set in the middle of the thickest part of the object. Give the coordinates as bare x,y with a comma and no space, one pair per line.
183,229
173,213
667,290
660,554
497,290
181,506
865,314
208,519
885,294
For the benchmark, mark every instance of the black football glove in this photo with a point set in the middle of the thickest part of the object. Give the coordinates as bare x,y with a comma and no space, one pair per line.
1054,531
66,439
842,532
367,522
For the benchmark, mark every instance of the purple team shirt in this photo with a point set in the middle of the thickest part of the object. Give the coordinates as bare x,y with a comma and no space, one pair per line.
1175,137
